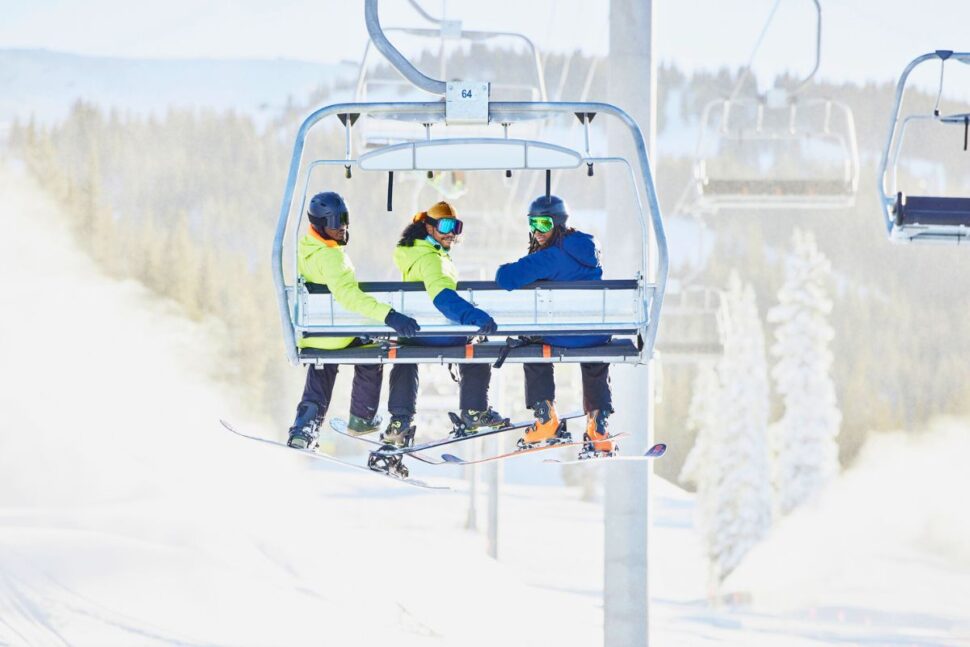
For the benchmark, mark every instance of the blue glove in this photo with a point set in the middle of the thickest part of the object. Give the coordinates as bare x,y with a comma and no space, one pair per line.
457,309
486,325
403,325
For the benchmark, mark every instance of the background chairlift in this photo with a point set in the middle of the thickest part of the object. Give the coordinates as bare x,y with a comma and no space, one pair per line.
923,218
629,309
690,333
778,151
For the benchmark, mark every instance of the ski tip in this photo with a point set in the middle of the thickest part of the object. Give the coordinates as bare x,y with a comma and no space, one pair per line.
451,458
656,451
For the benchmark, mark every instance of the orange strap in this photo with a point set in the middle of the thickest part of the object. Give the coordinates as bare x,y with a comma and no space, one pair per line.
392,352
546,350
469,351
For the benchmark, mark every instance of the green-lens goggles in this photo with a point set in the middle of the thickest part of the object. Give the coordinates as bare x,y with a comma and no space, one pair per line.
541,224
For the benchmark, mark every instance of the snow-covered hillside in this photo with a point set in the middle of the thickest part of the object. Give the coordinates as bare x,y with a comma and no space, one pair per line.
128,517
45,84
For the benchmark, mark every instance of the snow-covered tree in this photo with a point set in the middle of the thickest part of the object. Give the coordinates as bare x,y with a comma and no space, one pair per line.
805,454
730,461
702,419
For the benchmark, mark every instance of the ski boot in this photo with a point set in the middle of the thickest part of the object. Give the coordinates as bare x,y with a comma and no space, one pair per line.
595,443
399,433
547,428
305,429
472,421
357,426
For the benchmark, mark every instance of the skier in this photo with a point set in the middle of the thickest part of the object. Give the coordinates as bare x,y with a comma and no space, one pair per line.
422,255
561,253
322,259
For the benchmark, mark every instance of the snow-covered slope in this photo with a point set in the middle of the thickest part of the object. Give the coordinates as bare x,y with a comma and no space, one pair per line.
128,517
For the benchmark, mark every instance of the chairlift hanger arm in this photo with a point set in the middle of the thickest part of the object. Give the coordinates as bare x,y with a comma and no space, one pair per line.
402,64
424,14
764,30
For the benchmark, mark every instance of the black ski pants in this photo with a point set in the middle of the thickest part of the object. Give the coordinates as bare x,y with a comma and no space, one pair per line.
540,384
365,394
403,397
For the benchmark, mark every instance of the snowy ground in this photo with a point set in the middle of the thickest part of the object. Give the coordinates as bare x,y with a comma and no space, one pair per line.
127,517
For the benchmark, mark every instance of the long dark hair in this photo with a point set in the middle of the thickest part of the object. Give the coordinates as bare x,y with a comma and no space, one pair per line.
559,233
414,231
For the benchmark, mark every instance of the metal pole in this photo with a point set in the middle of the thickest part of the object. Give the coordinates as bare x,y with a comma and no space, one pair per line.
471,473
632,84
493,475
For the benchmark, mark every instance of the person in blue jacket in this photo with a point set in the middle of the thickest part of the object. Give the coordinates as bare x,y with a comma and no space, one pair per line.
561,253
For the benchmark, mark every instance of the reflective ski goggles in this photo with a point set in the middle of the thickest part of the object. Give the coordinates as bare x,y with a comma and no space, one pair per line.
446,225
541,224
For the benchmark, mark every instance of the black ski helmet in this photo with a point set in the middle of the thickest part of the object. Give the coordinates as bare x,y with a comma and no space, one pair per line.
327,209
551,206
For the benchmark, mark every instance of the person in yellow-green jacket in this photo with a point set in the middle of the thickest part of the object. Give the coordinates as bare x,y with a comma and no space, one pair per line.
422,255
322,259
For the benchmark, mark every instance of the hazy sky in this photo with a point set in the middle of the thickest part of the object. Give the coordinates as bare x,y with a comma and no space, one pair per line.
861,38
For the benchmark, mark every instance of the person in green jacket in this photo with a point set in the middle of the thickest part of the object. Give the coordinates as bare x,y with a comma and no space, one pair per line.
322,259
422,255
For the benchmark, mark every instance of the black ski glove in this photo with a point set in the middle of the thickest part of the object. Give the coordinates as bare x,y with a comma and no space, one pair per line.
403,325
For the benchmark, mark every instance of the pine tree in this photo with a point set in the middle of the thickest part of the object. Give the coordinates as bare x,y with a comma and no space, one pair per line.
731,469
804,450
702,419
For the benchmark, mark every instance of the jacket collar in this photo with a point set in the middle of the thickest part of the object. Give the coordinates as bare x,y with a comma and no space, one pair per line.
326,241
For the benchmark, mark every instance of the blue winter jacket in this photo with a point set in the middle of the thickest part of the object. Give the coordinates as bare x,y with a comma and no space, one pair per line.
577,259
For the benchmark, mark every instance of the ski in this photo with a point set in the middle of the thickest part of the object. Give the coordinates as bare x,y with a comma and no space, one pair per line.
456,460
339,425
656,451
433,444
333,459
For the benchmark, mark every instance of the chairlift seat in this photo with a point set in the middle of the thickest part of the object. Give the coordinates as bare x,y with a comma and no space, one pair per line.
617,350
931,210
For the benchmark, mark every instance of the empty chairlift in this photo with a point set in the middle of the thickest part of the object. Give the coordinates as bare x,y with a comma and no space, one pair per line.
782,149
937,218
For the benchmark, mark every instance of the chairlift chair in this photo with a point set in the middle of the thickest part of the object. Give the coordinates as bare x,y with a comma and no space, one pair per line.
628,309
756,154
780,150
923,218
